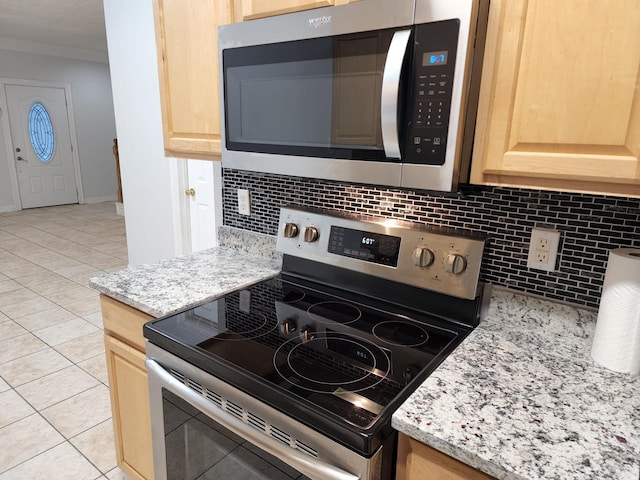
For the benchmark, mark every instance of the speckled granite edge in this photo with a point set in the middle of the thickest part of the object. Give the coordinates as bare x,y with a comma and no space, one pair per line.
165,287
168,286
521,398
251,243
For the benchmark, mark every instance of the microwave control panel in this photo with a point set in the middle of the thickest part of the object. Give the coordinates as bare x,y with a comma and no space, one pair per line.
434,58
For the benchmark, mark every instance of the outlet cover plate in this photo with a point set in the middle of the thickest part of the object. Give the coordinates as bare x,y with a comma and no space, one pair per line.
543,249
245,301
244,202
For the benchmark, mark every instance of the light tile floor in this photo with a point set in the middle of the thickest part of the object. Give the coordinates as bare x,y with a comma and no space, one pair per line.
55,416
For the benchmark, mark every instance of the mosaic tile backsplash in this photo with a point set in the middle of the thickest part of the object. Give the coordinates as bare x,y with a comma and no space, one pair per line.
590,225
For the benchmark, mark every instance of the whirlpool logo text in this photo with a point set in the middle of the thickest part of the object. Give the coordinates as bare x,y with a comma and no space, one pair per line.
320,21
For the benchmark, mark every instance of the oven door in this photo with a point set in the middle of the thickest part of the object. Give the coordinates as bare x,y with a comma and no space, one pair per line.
203,428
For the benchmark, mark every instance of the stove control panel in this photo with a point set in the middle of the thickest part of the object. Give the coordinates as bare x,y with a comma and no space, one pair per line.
415,254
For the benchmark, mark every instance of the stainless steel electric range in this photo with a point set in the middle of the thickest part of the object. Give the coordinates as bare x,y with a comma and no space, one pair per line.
298,376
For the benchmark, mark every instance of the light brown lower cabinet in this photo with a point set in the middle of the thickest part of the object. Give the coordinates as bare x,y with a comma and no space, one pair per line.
417,461
124,348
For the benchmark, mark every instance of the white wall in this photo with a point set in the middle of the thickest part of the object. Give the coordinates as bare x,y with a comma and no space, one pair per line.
148,178
93,111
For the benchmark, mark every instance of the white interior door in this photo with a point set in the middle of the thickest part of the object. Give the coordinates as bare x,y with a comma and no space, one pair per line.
41,140
204,190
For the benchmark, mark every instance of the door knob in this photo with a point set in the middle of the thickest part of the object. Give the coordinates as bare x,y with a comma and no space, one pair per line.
190,192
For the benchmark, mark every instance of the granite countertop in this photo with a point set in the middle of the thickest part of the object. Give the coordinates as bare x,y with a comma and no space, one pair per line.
521,398
167,286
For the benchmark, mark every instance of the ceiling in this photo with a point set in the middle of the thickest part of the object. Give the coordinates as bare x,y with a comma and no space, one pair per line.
68,28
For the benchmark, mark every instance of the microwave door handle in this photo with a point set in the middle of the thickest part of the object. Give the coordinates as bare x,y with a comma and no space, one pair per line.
299,461
390,90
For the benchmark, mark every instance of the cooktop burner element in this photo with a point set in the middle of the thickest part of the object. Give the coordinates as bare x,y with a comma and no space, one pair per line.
339,312
353,324
303,359
292,295
401,333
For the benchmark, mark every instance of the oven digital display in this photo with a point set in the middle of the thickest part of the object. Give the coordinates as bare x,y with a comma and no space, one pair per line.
367,246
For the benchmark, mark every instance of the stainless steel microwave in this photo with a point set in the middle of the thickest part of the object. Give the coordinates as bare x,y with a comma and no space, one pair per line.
377,92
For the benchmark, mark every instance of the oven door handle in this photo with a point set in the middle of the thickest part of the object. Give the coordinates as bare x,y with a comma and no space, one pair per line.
390,91
304,463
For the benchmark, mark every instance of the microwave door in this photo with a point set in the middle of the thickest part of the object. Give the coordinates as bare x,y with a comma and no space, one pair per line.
313,107
389,99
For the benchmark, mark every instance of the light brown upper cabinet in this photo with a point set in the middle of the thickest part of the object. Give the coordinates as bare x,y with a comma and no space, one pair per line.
560,97
249,9
187,42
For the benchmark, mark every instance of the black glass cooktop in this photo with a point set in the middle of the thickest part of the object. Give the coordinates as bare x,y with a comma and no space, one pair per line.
302,347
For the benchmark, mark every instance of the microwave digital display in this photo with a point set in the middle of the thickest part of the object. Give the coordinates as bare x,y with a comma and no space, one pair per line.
435,58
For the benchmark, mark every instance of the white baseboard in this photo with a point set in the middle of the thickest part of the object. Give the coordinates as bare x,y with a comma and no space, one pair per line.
110,198
7,208
120,208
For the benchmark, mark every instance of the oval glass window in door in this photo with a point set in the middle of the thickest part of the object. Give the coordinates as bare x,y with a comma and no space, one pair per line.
41,132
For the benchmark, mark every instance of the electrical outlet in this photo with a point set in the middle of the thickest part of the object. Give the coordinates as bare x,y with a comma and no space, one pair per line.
543,249
244,202
245,301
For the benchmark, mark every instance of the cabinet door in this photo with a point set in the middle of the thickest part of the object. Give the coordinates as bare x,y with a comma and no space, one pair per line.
249,9
187,41
417,461
130,408
560,97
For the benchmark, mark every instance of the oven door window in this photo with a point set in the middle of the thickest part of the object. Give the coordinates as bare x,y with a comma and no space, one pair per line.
319,97
198,448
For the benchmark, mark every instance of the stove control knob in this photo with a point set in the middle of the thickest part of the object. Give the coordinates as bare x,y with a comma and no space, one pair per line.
290,230
311,234
288,326
306,334
422,257
410,373
455,263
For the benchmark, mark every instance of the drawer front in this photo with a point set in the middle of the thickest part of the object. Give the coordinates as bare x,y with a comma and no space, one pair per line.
123,321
